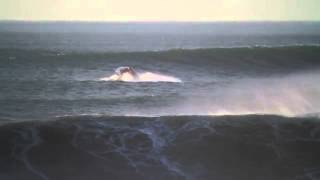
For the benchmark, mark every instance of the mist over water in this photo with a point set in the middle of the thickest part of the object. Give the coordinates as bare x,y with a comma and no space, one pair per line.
292,95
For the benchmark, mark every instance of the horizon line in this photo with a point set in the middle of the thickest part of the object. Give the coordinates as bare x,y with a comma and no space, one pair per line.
157,21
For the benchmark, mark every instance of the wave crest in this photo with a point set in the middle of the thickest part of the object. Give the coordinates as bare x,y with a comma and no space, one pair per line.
142,77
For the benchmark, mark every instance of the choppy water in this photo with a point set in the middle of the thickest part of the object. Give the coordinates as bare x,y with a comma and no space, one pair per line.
59,73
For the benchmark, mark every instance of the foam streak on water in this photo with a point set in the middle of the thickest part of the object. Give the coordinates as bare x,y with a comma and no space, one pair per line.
183,147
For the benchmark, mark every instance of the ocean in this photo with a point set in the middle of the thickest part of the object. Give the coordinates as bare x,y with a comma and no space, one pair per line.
220,100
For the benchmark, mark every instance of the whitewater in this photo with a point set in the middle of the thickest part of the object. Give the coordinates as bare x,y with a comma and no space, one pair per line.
142,77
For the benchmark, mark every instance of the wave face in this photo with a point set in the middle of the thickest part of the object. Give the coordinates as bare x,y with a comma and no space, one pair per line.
185,147
39,84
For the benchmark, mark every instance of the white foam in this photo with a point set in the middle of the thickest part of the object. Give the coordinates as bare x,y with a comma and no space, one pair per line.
142,77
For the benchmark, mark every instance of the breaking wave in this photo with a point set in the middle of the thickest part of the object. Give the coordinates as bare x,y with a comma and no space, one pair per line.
142,77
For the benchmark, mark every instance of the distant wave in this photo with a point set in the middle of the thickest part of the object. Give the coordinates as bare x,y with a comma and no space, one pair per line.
263,81
248,59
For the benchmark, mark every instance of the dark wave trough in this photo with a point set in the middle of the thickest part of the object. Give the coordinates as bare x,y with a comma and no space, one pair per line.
177,147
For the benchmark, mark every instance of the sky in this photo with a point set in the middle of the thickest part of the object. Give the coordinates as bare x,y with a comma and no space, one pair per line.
161,10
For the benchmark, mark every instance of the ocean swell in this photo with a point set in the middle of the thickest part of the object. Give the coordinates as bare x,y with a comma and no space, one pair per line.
176,147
